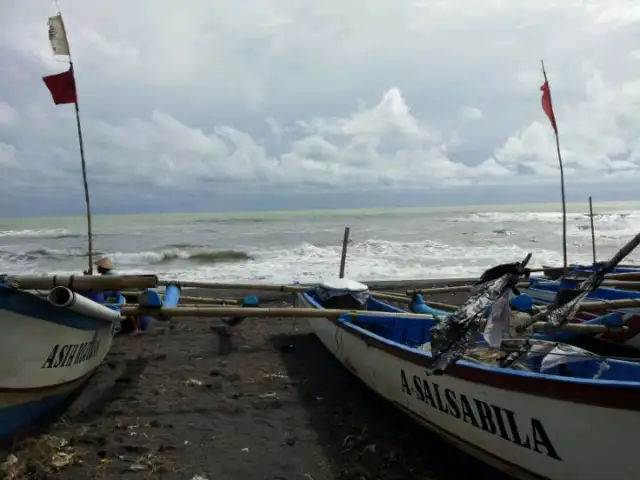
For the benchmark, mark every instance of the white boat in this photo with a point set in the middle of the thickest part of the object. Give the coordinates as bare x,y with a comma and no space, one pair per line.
559,425
48,348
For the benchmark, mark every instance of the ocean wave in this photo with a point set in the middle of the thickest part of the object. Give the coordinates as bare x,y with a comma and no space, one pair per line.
44,254
375,258
166,255
546,217
172,255
54,233
227,221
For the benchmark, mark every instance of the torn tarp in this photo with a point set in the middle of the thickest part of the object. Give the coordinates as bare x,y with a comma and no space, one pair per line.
560,311
451,335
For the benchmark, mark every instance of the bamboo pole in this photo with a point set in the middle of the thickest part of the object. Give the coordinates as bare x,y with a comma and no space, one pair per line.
457,288
610,304
212,301
391,297
556,272
241,286
343,256
148,310
447,289
622,285
402,299
196,311
618,284
577,327
83,282
372,284
630,276
629,265
584,307
265,312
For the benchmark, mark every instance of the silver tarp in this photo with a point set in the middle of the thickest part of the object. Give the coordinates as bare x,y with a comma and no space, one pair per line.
559,315
451,335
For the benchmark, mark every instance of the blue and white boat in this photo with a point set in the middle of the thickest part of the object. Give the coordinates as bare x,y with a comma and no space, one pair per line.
48,348
550,419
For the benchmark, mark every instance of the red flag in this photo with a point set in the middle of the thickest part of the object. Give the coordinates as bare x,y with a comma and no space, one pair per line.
62,87
547,106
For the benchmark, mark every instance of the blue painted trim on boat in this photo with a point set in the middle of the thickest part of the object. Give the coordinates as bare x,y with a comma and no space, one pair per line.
17,417
493,370
29,305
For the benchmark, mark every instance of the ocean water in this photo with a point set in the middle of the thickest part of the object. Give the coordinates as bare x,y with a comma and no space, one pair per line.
392,243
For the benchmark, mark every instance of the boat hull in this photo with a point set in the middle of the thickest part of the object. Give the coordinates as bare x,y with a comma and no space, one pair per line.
528,427
46,354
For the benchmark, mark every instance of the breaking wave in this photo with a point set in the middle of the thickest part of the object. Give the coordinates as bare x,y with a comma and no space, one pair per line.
547,217
139,259
54,233
176,254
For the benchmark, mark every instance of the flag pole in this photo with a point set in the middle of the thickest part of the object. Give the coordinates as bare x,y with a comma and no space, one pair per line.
87,198
564,202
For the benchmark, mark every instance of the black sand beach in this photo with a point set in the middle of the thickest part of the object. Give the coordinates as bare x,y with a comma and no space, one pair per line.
192,399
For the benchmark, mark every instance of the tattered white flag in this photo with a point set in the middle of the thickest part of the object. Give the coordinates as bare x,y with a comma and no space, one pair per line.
58,36
498,323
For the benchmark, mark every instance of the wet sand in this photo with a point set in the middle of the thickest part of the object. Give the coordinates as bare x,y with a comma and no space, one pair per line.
263,400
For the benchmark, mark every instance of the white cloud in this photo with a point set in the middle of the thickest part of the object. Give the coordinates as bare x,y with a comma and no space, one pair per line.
361,94
7,157
470,113
8,115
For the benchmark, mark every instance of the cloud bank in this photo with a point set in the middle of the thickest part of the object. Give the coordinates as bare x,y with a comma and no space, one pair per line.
269,99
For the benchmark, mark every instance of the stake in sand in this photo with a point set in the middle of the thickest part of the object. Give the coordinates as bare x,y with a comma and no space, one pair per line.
343,256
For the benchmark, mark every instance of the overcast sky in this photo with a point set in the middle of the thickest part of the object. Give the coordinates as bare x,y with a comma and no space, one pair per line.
260,104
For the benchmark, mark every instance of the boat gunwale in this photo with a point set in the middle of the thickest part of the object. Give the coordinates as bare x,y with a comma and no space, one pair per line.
616,394
26,304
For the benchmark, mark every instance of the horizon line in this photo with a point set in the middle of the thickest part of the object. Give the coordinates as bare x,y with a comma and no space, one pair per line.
315,210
